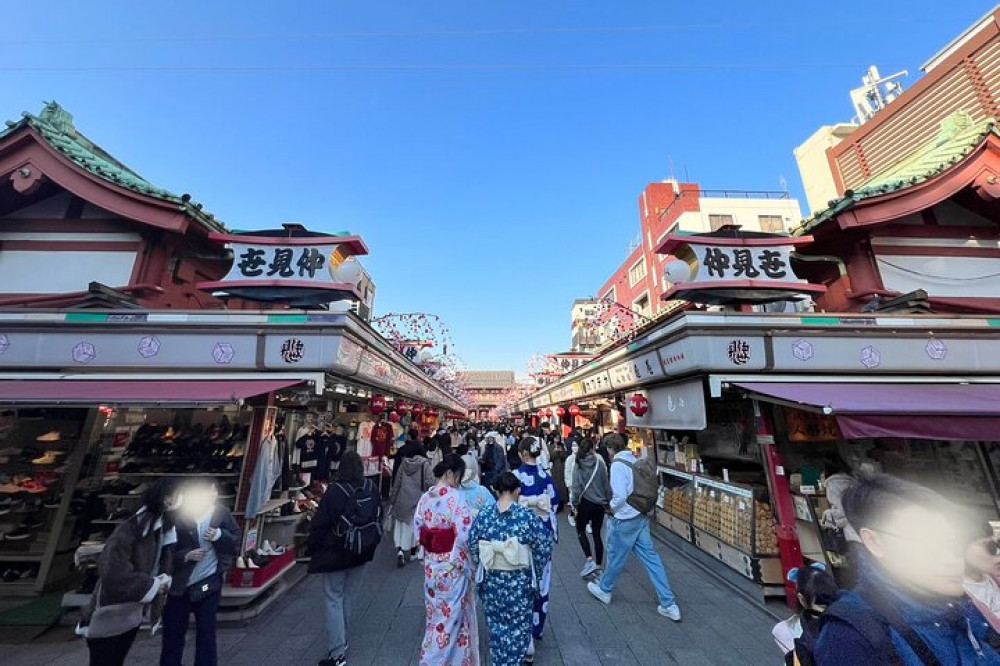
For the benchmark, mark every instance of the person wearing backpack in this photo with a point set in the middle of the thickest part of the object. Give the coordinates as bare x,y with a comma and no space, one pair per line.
633,498
815,590
345,532
908,607
494,460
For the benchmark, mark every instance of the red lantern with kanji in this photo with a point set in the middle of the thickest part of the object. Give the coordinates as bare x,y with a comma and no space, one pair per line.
639,405
403,407
417,411
574,410
548,413
560,412
394,416
377,405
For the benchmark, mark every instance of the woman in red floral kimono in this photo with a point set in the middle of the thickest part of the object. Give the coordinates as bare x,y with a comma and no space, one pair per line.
441,523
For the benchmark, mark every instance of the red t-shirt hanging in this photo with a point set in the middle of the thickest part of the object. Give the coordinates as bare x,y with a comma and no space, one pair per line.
381,439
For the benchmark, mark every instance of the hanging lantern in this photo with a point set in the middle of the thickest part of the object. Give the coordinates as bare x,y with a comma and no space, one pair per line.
403,407
548,413
541,413
574,410
560,412
377,405
639,405
394,416
418,411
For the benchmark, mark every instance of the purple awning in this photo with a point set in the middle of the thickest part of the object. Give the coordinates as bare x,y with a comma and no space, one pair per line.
919,411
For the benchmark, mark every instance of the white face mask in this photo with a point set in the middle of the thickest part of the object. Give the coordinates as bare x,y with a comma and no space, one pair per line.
575,448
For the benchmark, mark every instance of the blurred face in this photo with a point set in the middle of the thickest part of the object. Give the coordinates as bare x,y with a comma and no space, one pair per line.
982,557
920,549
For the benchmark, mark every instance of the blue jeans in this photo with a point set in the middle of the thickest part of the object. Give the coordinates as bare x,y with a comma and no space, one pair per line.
176,615
340,590
624,537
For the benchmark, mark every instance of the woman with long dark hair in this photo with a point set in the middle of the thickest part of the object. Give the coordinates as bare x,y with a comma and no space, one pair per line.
131,572
510,549
442,522
590,494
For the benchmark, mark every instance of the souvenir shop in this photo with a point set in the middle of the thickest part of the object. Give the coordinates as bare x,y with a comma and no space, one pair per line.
744,414
216,396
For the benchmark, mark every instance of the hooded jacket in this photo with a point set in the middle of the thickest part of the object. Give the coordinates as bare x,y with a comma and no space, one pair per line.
414,478
599,491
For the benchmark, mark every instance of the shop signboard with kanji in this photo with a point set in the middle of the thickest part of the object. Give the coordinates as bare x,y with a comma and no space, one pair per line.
303,269
724,268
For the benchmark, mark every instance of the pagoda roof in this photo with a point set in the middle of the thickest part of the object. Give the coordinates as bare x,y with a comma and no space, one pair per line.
55,126
958,138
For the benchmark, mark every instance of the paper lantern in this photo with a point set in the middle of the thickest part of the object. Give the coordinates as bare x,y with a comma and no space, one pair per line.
548,413
574,410
560,412
377,405
639,405
394,417
418,411
403,407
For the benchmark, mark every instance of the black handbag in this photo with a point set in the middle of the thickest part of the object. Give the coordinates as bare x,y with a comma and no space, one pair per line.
203,588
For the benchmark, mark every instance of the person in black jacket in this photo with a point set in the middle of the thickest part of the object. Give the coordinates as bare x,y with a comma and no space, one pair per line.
342,570
208,540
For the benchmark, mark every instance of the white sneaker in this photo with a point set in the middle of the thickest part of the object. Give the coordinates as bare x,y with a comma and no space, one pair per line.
588,568
590,530
241,563
602,596
571,519
673,611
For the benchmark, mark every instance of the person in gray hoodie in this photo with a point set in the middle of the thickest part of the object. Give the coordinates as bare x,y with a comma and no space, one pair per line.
590,496
414,476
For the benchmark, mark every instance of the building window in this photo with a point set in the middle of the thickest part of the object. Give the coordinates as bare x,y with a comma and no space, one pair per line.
642,305
612,295
637,272
716,222
772,224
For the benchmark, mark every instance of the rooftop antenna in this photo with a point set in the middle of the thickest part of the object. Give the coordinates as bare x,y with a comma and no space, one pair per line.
671,168
876,93
782,183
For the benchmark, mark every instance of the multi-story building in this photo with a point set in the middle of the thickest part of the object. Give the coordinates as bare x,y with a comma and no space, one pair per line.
586,339
672,207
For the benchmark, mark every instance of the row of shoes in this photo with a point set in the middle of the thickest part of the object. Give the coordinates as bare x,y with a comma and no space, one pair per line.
9,504
30,454
261,557
220,439
173,465
15,573
32,485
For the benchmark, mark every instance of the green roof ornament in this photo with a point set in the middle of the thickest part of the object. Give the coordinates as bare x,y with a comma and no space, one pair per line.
60,119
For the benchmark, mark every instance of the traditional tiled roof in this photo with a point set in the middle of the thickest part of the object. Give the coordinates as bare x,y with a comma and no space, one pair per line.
489,378
55,125
959,136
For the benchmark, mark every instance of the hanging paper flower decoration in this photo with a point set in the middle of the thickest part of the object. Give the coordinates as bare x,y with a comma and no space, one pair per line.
639,405
377,405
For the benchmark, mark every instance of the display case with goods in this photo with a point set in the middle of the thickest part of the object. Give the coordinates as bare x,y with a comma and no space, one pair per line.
676,501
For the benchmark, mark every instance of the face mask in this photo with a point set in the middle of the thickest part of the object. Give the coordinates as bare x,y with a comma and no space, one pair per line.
575,448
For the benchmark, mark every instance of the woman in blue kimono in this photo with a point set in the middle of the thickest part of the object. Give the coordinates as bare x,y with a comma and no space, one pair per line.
539,494
510,550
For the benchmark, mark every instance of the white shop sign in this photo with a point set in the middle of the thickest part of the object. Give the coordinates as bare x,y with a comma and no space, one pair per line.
679,406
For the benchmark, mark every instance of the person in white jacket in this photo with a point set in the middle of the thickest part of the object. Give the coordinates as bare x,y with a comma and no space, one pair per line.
568,476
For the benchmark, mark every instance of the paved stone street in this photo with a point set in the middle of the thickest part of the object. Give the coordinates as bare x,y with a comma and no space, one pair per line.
718,627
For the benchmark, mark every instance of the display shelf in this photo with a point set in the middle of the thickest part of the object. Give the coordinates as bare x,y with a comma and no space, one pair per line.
26,556
269,506
109,522
284,519
75,600
251,592
180,475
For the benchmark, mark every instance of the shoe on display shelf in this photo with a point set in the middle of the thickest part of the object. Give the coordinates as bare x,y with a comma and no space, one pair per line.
46,478
50,458
52,503
33,522
241,563
19,534
32,487
139,489
10,488
11,575
53,436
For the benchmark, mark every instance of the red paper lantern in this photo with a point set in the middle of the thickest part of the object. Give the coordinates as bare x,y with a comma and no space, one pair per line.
560,412
394,417
574,410
548,413
639,405
417,411
377,405
403,407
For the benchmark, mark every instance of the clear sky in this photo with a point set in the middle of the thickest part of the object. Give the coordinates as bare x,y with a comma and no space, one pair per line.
490,153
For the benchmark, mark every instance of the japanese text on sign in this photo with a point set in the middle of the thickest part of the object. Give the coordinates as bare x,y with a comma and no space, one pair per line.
745,263
314,263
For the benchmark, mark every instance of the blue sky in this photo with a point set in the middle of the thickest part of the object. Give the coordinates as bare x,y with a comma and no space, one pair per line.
491,154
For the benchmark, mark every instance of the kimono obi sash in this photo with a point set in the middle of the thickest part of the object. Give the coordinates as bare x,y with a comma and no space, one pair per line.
509,555
438,540
541,505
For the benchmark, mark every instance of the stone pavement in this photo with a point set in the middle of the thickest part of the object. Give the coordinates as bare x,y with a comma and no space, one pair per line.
718,626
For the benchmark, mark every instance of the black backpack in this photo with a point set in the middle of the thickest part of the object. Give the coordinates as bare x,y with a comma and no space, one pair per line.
360,526
489,455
